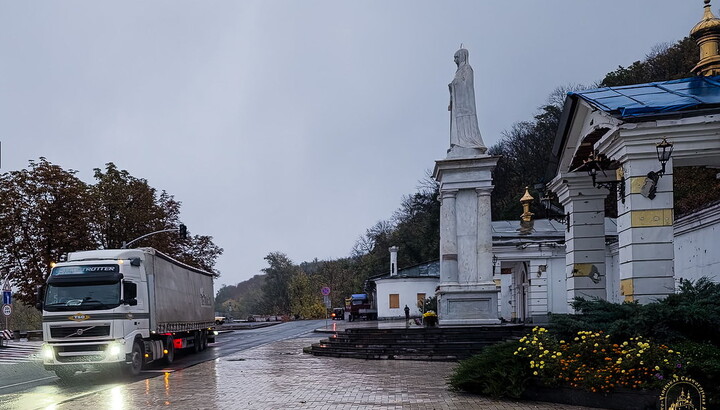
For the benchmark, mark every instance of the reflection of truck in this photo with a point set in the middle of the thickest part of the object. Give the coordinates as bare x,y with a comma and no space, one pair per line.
358,306
120,309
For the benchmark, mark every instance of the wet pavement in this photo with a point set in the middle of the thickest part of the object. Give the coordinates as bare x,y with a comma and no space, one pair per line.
279,375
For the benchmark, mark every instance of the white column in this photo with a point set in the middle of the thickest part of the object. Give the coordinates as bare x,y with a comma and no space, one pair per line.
645,234
537,277
484,236
448,238
585,240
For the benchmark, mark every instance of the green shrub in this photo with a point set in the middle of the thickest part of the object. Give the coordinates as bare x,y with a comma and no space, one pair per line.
704,366
691,314
494,372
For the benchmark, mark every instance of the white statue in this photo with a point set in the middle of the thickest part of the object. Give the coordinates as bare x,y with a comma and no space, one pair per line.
464,131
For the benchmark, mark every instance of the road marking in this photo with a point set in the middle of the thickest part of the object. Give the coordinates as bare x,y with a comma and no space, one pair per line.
29,381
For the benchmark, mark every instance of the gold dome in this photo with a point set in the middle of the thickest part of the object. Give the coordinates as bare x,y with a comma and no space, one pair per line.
707,35
708,23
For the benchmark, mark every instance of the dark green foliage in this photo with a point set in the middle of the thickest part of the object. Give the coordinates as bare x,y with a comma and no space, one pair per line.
663,63
495,372
428,304
694,188
524,152
704,366
691,314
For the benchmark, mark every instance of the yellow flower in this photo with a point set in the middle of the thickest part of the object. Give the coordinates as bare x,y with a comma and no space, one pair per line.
657,367
670,351
535,373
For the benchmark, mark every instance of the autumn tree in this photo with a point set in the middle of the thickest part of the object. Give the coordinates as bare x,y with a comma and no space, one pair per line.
45,212
276,294
305,298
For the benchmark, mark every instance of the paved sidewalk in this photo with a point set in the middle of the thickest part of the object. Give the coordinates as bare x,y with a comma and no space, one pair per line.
280,376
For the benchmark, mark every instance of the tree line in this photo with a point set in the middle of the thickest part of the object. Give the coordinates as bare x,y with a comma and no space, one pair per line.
47,211
524,152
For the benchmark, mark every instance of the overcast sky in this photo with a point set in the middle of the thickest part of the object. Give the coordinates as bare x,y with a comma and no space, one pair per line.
292,126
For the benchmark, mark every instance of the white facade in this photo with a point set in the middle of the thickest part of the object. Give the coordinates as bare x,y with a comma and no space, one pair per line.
407,289
530,270
696,239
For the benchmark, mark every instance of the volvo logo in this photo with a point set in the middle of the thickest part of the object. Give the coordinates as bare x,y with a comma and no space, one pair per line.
79,317
80,332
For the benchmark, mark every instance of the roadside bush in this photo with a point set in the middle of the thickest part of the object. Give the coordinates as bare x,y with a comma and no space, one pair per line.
494,372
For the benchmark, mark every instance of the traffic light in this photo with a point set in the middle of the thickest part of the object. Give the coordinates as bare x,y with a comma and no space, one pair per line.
183,231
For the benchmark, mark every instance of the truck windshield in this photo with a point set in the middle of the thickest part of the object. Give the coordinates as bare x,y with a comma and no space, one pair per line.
61,297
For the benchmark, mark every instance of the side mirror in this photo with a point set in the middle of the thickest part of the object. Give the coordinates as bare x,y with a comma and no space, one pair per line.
39,297
130,293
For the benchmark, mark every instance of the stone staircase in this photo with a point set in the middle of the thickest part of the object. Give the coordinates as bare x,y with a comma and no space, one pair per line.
413,343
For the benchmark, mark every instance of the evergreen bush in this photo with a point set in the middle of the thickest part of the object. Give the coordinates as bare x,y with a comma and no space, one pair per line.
495,372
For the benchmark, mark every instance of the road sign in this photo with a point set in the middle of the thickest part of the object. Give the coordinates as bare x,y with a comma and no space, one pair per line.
325,291
7,297
7,310
328,303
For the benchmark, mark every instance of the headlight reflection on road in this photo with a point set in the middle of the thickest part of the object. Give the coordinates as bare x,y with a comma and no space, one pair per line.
167,387
116,398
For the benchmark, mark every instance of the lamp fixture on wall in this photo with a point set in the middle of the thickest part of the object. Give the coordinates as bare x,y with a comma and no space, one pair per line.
664,151
599,162
552,212
494,261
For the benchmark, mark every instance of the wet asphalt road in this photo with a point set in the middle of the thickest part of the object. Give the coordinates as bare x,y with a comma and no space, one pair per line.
29,386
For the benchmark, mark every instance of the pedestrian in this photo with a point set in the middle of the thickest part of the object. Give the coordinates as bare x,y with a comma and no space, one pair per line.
407,312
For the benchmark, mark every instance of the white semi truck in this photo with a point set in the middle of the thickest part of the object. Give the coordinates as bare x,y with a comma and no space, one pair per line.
120,309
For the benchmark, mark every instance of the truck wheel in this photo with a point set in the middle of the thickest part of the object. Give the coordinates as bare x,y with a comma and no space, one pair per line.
170,355
136,360
64,373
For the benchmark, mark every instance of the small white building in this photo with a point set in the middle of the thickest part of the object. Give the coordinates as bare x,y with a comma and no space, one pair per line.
408,287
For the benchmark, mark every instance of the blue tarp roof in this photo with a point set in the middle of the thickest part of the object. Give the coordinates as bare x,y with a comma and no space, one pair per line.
655,98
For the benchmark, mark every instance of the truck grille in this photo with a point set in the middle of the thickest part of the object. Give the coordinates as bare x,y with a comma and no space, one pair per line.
80,348
83,358
79,331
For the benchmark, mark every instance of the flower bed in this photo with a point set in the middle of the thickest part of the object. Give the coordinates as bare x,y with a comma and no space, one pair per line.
592,361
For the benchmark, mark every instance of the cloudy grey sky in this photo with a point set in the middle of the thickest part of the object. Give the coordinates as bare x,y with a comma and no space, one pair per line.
292,126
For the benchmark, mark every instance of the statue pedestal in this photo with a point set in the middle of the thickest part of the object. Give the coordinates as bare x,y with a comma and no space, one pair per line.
468,304
467,294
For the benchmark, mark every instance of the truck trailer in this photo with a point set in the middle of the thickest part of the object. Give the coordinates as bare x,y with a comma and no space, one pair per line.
119,309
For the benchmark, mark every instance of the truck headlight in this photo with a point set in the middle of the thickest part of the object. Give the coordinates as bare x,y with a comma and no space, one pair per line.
115,349
47,352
